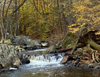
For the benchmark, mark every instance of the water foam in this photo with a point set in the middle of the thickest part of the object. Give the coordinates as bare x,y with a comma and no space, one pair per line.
47,60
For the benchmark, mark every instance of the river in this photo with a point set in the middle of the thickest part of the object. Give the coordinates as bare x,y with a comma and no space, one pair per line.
49,66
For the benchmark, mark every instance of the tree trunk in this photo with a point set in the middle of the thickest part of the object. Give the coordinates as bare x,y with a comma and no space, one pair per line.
5,19
58,1
2,24
80,33
42,15
64,24
16,15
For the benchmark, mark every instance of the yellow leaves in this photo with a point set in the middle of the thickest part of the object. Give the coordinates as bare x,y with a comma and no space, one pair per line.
79,8
80,12
97,20
72,25
75,27
98,33
49,5
82,24
73,30
87,2
97,7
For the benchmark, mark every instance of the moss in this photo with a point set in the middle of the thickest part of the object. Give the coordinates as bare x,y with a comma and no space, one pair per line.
8,41
69,40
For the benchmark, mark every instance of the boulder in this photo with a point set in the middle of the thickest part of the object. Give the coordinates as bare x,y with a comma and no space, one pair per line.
51,49
5,62
19,49
16,61
90,66
36,43
24,59
16,40
64,60
26,42
9,56
96,67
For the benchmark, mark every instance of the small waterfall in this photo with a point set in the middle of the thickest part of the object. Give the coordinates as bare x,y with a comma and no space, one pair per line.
45,60
47,57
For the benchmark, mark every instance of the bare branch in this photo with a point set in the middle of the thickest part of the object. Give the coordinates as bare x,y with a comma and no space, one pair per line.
10,18
8,8
19,6
4,7
37,9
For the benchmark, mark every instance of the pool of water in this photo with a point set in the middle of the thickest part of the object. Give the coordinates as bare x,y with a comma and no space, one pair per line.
49,66
61,71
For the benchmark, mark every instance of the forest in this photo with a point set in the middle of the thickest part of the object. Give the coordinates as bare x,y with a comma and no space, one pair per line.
71,21
69,27
43,18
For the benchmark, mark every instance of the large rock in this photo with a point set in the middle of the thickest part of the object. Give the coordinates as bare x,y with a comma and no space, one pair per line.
9,56
26,42
5,62
24,59
21,40
64,60
16,61
36,43
51,49
16,40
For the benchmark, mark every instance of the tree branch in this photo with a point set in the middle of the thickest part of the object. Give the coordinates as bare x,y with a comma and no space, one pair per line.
4,7
19,6
37,9
7,9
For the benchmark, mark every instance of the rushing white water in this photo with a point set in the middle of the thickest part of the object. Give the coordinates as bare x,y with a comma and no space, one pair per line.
48,65
47,60
37,50
38,63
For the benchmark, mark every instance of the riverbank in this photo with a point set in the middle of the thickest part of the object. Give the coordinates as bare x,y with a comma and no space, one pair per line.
18,53
9,56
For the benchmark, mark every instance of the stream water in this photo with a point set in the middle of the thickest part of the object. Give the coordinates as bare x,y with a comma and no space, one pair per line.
49,66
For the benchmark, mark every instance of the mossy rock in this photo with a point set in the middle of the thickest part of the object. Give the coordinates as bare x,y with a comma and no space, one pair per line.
8,41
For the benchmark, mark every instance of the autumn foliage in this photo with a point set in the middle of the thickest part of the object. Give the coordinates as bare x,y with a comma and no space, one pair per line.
43,18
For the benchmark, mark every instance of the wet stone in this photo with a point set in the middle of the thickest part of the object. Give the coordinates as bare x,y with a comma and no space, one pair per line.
90,66
64,60
97,67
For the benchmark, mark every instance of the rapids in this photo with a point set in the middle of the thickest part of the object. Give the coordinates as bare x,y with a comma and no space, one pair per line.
48,65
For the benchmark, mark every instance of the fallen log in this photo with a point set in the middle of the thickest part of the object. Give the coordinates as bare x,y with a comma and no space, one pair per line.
93,44
68,49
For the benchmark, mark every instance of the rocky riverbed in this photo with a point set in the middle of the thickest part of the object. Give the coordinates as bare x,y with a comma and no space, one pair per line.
50,65
9,56
21,52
